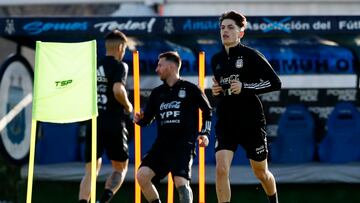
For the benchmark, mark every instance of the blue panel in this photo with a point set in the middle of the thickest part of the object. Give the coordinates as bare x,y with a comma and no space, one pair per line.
305,56
295,142
58,144
148,136
341,143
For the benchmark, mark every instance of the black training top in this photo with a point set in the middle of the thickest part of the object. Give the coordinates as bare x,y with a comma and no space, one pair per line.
250,67
110,71
176,111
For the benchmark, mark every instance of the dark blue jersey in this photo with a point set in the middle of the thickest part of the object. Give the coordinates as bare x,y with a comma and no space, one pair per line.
110,71
250,67
176,111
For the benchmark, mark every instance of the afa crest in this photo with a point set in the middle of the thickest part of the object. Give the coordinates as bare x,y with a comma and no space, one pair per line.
182,93
239,63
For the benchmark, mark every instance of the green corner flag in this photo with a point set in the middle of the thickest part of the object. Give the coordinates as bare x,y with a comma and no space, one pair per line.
64,91
65,82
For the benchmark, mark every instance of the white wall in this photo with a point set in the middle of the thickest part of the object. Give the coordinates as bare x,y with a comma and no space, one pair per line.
263,7
214,7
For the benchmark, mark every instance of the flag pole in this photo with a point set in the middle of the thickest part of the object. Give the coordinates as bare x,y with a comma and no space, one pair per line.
31,161
137,132
93,160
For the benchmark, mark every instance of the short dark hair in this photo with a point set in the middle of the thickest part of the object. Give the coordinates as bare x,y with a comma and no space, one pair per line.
239,18
172,56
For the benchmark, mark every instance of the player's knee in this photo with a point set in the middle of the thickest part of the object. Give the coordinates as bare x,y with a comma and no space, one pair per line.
185,194
222,170
142,177
262,174
117,177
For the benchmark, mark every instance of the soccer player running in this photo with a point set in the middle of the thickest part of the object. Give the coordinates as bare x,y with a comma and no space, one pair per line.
175,107
113,105
240,74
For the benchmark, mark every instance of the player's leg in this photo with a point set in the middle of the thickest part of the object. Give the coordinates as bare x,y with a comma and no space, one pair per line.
85,185
184,190
115,180
144,176
181,170
117,151
223,163
261,171
227,133
257,152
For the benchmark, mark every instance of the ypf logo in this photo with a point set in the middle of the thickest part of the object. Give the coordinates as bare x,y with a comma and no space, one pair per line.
62,83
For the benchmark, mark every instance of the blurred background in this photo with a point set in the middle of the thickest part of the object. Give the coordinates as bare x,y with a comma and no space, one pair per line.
313,123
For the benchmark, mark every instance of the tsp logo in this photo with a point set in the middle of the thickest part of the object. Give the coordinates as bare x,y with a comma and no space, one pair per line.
62,83
277,25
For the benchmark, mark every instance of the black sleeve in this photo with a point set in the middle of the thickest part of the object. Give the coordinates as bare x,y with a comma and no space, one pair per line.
268,79
121,73
206,110
214,62
150,110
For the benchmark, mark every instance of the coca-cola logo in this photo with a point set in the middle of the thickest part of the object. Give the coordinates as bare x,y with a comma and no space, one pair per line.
129,25
170,105
228,80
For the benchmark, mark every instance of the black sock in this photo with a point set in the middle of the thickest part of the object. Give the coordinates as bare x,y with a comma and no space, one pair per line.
106,196
83,201
273,198
156,201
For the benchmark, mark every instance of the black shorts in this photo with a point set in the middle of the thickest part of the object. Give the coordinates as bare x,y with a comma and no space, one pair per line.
251,137
161,160
112,138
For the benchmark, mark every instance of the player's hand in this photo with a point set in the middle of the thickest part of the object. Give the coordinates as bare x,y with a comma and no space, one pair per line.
203,140
216,88
235,87
138,116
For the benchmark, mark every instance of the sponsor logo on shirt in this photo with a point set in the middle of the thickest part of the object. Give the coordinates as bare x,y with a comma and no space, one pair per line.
260,149
170,112
101,97
170,105
227,80
101,77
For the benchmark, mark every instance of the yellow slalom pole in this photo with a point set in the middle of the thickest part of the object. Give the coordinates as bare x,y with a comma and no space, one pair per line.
31,161
93,159
201,149
170,192
136,76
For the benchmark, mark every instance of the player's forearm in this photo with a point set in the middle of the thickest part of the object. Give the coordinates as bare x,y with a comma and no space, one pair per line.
122,97
206,121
